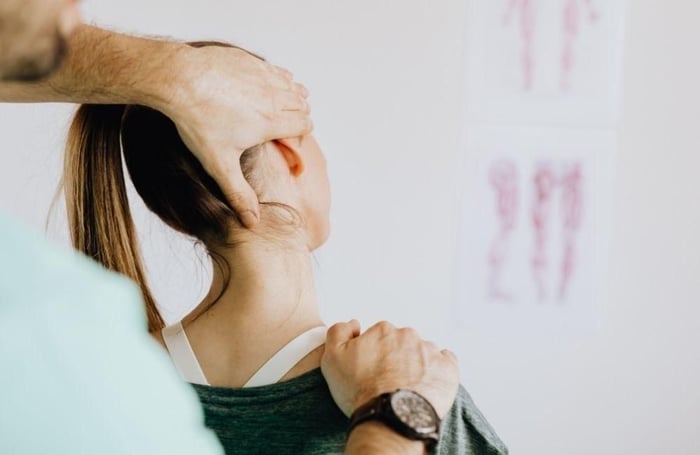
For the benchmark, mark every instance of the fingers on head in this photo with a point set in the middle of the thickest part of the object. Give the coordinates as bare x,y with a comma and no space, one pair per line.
288,114
286,80
300,89
292,124
285,73
238,192
291,101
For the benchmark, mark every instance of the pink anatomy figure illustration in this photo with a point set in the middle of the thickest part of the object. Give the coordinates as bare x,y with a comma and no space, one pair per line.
504,182
572,205
572,19
544,185
526,15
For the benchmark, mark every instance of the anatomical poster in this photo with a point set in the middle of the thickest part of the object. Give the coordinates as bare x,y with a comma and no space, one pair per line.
536,217
544,62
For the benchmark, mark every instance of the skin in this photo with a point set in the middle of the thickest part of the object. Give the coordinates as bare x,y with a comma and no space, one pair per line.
270,295
33,36
383,359
213,89
271,298
386,358
373,438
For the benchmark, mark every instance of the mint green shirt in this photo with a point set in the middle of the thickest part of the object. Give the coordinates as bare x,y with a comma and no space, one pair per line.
78,372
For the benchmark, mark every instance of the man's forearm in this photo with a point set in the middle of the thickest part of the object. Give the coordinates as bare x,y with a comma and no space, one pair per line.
106,67
204,90
373,438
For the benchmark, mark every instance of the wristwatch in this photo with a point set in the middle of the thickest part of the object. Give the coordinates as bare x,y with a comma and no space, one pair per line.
404,411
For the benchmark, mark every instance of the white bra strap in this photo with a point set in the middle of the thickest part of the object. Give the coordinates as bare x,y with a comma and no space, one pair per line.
182,354
280,363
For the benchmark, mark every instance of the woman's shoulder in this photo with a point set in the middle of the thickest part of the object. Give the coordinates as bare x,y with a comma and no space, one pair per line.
466,431
293,416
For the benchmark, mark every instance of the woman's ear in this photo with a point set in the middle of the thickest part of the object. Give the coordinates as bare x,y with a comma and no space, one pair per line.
291,152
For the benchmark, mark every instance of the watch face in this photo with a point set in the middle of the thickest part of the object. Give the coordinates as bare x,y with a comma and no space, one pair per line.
414,411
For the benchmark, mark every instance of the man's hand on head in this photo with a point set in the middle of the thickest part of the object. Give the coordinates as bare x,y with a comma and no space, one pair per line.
225,101
383,359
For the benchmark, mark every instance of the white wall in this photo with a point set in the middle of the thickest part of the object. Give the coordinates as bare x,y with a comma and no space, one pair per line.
385,81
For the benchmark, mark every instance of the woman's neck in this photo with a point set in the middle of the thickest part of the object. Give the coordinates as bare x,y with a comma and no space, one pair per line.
262,296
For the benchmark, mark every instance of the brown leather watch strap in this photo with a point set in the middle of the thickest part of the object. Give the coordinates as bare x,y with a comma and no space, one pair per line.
368,411
379,408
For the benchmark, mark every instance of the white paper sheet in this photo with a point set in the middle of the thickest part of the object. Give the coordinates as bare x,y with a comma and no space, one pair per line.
535,228
542,97
544,62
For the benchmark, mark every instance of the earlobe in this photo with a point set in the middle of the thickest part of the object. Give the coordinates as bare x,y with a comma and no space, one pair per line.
291,152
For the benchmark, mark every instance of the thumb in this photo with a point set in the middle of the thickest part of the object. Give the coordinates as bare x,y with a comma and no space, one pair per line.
342,332
237,191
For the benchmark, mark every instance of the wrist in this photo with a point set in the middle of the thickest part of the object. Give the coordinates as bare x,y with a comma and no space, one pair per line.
171,81
374,437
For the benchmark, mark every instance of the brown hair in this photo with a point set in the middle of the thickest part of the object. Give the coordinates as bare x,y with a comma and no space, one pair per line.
167,176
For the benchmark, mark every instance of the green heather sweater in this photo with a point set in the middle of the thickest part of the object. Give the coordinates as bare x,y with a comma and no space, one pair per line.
299,416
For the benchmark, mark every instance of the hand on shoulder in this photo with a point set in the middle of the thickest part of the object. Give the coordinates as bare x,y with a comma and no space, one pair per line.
385,358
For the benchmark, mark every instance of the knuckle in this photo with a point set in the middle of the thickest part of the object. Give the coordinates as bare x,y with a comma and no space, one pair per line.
385,327
334,329
408,332
433,350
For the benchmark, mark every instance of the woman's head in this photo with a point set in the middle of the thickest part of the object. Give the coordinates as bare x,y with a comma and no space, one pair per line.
288,175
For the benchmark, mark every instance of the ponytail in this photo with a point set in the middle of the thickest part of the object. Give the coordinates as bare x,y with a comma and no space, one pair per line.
99,217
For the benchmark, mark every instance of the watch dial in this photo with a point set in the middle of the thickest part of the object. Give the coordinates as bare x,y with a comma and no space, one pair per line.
414,411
